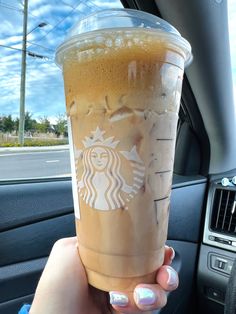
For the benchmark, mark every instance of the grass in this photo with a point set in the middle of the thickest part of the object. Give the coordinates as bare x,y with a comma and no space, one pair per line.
36,142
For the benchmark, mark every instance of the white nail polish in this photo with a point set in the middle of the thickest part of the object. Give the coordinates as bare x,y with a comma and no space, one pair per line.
119,299
144,296
172,276
172,253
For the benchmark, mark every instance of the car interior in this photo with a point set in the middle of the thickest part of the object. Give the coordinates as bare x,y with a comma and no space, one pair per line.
202,226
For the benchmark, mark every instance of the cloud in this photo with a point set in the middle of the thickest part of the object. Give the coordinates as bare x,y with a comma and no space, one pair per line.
42,10
107,4
8,27
11,40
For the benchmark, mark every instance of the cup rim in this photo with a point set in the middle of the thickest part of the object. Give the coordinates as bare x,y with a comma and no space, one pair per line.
174,36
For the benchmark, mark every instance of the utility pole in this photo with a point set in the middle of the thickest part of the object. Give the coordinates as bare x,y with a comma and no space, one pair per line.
23,74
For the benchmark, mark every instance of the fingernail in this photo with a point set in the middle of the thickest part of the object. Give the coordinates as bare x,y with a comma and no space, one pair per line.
144,296
172,253
118,299
172,276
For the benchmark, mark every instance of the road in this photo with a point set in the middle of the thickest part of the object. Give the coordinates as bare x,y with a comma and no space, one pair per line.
34,164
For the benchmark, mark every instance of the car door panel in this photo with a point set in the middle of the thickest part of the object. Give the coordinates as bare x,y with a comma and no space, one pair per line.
13,306
19,280
32,201
34,240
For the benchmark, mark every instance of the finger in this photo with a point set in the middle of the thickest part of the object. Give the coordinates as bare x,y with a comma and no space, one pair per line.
167,278
169,255
144,298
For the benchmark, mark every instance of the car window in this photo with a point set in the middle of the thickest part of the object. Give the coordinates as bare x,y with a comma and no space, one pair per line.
45,149
45,152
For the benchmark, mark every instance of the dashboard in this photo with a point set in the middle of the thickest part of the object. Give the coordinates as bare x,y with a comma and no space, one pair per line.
218,249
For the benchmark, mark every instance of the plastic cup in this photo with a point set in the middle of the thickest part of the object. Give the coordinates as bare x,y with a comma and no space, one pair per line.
123,72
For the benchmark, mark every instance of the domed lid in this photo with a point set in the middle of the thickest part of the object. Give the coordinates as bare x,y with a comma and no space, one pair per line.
125,18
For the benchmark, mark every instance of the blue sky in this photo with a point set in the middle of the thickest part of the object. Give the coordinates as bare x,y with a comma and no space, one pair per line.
44,86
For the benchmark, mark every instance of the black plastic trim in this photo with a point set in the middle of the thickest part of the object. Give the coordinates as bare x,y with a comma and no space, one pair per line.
31,202
34,240
13,306
13,275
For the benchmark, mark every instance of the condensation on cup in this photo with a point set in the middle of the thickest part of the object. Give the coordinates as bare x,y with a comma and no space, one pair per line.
123,72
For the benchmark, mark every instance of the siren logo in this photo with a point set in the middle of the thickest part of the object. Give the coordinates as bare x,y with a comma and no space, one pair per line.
102,184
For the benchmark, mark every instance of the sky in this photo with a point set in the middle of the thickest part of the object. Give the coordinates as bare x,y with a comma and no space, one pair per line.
44,85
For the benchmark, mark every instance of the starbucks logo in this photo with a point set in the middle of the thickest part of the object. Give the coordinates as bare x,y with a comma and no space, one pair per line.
101,184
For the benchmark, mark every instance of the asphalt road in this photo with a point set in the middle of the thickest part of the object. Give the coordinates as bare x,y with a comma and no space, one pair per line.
34,164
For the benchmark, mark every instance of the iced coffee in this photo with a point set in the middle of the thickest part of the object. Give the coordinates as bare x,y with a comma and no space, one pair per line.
122,88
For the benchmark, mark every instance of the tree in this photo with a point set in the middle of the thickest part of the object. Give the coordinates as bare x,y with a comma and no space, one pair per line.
60,128
44,125
8,124
30,124
1,124
16,125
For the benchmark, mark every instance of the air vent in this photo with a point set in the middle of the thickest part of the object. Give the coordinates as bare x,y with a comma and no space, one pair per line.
224,211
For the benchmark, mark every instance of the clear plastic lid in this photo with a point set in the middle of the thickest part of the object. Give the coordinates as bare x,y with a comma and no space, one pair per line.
120,19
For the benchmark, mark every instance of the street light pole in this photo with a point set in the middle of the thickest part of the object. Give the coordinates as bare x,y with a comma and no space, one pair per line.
23,72
22,82
39,25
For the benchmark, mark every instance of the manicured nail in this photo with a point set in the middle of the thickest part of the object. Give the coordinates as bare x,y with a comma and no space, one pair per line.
172,253
144,296
118,299
172,276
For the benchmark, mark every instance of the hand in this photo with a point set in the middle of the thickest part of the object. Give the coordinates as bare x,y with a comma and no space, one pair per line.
63,287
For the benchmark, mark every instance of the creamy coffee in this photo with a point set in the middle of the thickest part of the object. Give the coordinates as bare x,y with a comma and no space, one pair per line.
123,92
